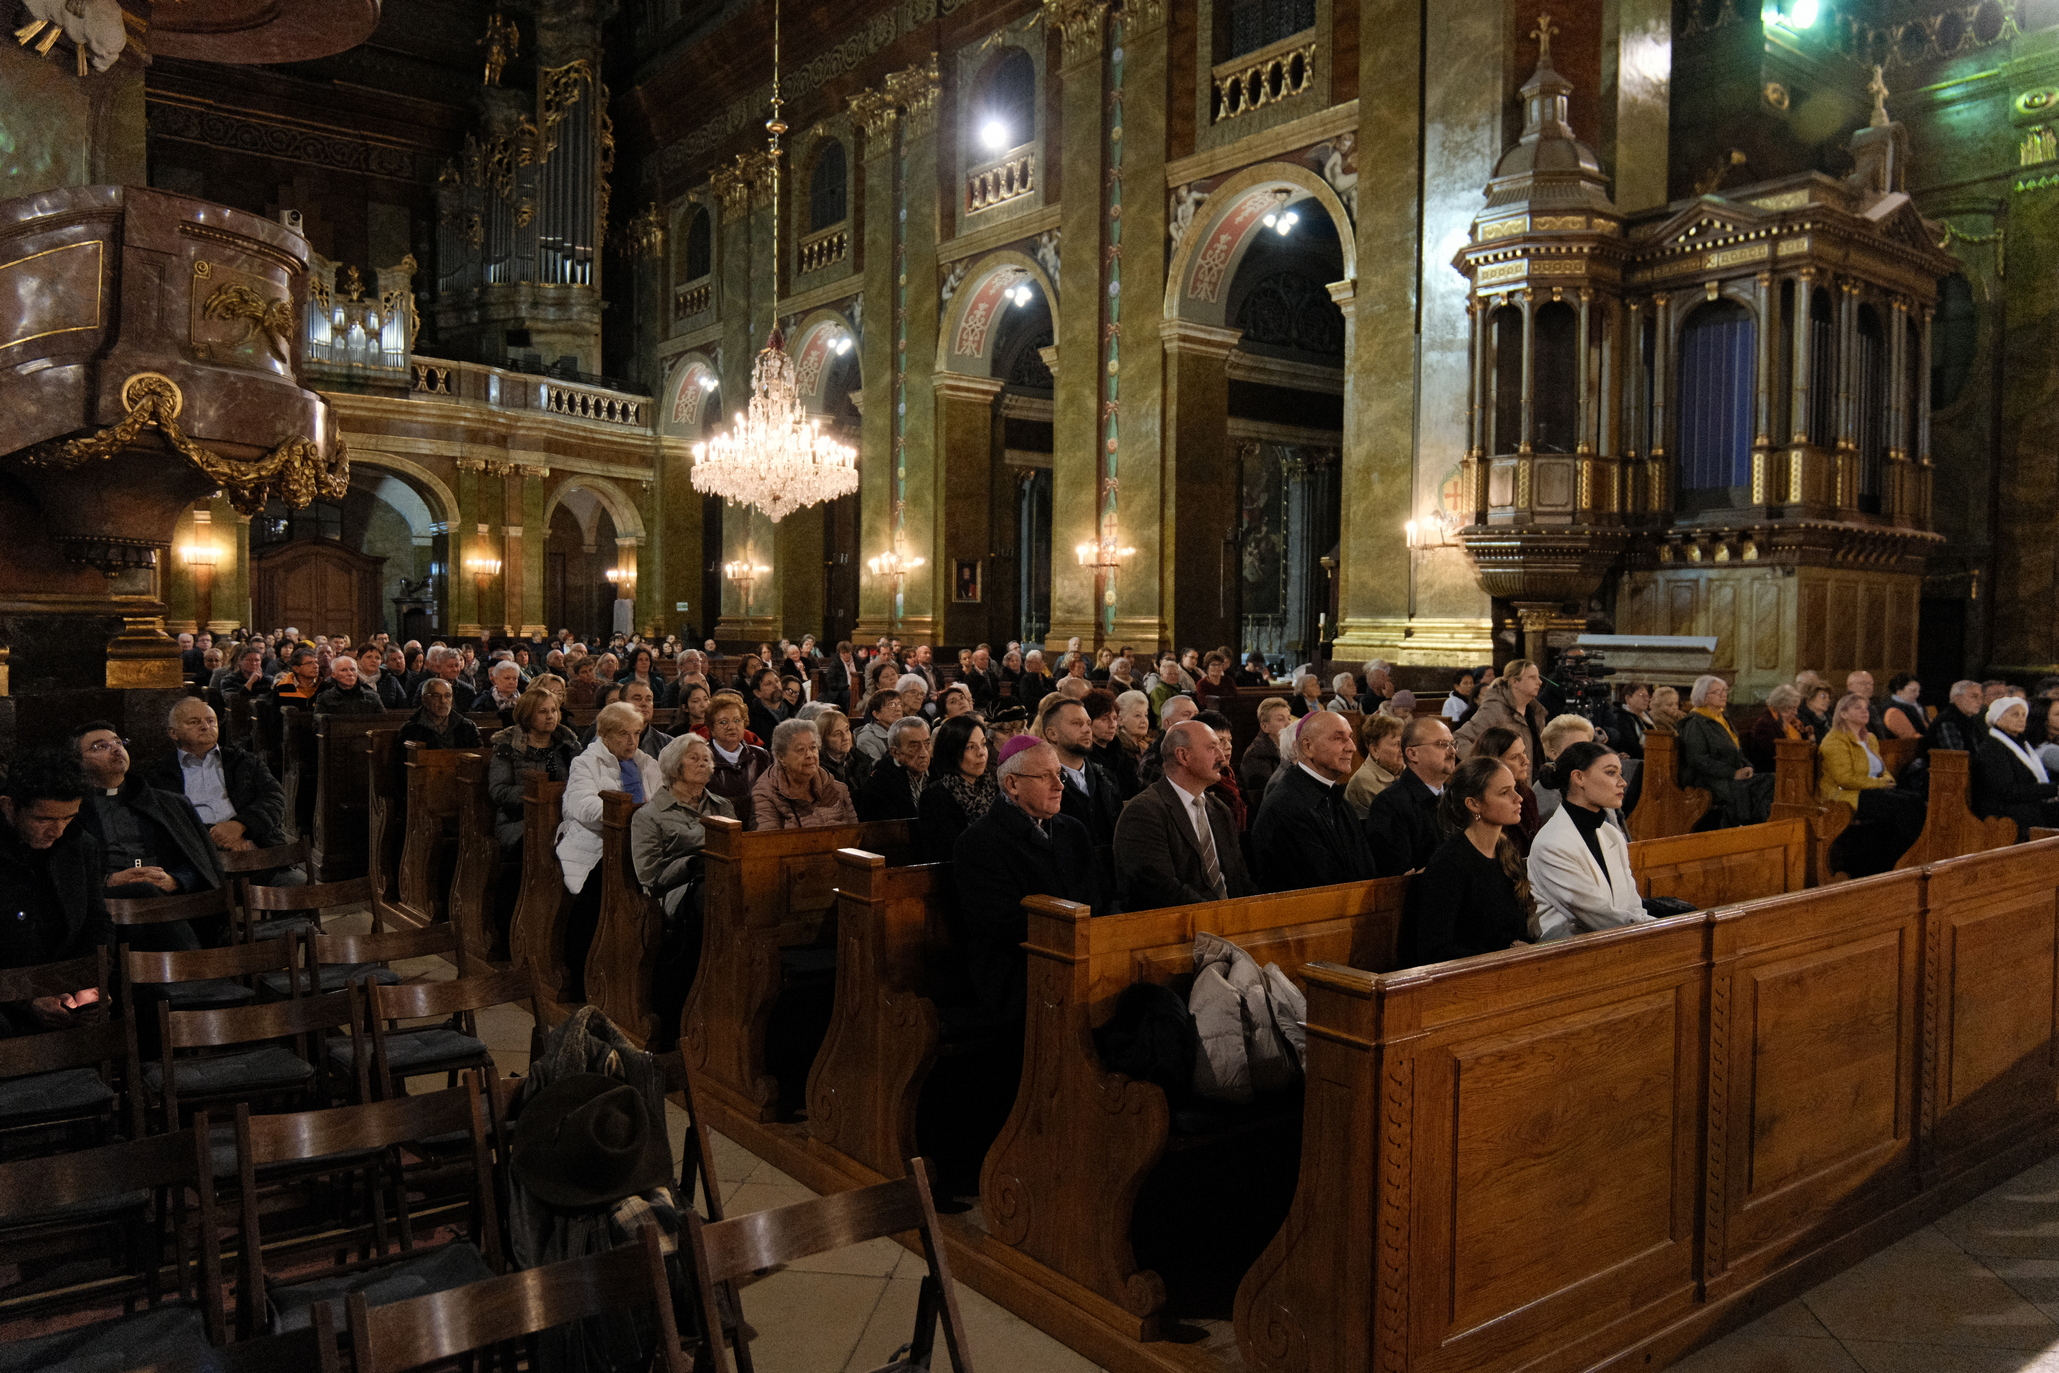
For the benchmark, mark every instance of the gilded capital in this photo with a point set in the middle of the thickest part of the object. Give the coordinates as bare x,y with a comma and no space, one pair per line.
732,186
1079,21
875,113
915,91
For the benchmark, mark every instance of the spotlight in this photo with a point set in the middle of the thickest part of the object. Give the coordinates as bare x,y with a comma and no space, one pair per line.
1020,293
1281,222
843,345
709,383
994,134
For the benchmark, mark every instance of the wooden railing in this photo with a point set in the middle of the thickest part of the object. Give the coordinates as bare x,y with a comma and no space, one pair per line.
824,249
1268,76
693,298
1010,176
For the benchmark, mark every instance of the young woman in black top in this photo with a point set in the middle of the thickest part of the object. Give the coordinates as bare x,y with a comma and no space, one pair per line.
1474,896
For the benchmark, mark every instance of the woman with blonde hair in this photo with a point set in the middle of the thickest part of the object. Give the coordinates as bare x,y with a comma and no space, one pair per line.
1854,774
612,762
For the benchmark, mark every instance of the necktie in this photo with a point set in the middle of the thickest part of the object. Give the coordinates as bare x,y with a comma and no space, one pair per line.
1205,832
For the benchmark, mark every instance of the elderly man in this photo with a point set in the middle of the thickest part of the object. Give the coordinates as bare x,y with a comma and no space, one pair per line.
1860,684
693,671
1379,683
503,689
1401,822
1178,710
438,724
346,694
1175,844
984,680
442,664
1023,846
1091,794
50,878
894,788
1959,725
232,791
152,842
1306,834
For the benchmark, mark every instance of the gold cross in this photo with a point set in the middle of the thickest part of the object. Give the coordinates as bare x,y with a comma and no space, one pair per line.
1542,33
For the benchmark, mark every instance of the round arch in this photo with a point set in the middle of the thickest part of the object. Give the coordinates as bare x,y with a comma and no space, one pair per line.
440,501
813,349
621,510
1197,284
686,397
966,342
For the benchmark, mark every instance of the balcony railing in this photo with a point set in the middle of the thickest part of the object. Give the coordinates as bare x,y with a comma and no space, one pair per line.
693,298
826,248
1011,176
574,395
581,404
1268,76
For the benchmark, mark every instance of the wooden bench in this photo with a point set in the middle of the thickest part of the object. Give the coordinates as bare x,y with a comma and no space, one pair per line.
1778,1088
342,791
766,890
1950,828
536,938
428,853
623,957
1664,807
1897,754
1717,867
1797,772
481,891
296,755
385,820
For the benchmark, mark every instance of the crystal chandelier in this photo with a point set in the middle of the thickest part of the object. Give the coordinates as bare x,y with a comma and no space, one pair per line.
776,456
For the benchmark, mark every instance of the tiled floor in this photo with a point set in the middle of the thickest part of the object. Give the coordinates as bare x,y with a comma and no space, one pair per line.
1977,1292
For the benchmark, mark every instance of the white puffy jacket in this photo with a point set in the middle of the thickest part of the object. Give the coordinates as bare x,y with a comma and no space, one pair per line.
579,834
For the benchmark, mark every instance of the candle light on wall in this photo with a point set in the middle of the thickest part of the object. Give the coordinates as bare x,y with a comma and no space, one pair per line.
201,559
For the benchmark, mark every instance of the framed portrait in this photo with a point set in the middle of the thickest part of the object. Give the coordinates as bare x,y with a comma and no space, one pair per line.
965,585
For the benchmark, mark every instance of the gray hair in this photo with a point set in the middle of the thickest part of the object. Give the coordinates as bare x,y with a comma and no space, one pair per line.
1017,761
902,728
171,717
1378,665
1131,698
1962,687
1290,740
620,715
438,655
1036,653
911,681
786,731
508,664
1703,684
815,708
1343,682
1120,667
1786,696
673,757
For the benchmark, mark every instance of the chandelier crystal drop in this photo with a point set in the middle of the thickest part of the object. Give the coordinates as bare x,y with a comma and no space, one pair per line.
776,456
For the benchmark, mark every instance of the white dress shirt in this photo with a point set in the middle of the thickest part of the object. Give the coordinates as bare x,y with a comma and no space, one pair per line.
205,786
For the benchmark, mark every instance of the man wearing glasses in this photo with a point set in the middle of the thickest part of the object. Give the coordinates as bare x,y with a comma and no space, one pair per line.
1021,847
1401,822
154,842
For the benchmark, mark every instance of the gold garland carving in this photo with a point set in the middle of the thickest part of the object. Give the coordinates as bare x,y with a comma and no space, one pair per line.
273,318
294,471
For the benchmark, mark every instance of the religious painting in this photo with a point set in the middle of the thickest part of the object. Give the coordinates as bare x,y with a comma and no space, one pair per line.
1262,526
965,586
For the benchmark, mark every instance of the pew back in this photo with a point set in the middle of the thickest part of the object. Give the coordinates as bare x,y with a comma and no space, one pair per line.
1720,866
536,940
385,818
1664,807
476,882
429,852
1950,828
624,953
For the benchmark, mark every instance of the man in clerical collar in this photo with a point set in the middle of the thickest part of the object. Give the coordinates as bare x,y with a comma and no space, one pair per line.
153,842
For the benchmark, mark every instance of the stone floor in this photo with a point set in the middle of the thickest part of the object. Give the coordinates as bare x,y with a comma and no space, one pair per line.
1977,1292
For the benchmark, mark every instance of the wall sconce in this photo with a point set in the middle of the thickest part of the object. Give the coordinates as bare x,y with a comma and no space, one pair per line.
744,573
893,563
483,570
1105,556
623,578
202,559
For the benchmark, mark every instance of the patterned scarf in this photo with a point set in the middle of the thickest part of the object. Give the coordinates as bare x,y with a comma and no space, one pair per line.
974,798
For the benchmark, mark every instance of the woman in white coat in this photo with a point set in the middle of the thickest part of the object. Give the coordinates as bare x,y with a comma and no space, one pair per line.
612,762
1579,862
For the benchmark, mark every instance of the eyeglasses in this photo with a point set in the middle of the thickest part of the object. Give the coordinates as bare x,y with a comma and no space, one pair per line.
107,746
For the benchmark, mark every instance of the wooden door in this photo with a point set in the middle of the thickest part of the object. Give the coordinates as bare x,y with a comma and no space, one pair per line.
318,586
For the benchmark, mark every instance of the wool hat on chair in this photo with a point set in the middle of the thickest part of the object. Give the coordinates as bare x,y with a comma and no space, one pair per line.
587,1141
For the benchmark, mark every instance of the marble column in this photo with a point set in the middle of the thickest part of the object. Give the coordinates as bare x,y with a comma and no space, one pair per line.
916,90
798,552
967,449
1145,610
740,306
1076,467
1200,483
878,118
534,535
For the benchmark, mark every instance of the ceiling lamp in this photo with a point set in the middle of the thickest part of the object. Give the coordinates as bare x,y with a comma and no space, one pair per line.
776,456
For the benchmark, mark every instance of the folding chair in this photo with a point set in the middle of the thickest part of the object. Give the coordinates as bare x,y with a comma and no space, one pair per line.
129,914
250,1063
295,1352
399,1054
726,1250
139,1187
337,960
242,865
437,1328
369,1140
57,1080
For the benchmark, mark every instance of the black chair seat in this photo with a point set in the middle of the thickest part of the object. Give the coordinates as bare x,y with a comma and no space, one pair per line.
95,1208
47,1095
251,1070
420,1051
174,1332
440,1269
334,977
284,926
207,994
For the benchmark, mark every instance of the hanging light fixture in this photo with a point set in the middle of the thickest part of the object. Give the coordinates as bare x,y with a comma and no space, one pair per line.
775,456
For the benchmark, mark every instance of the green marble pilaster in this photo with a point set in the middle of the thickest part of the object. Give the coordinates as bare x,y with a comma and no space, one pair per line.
535,534
2025,632
878,117
465,545
1152,609
1076,430
921,618
733,281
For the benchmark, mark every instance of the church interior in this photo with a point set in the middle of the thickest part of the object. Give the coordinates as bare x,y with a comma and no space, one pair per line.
1334,331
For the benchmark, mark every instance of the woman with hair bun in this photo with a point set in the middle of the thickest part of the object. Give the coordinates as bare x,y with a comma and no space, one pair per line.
1579,862
1474,896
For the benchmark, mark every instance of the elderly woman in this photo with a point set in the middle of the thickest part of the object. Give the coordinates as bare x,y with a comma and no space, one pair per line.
960,790
1712,758
913,689
880,713
1344,694
1782,720
436,725
1379,737
1667,715
2009,778
538,741
739,763
612,762
795,793
1308,694
1854,774
1035,683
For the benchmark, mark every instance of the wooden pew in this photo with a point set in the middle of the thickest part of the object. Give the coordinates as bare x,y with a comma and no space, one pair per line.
479,885
623,957
536,939
237,724
1059,1184
1797,770
264,737
1950,828
1664,807
429,852
765,891
342,792
297,766
1897,754
385,818
1717,867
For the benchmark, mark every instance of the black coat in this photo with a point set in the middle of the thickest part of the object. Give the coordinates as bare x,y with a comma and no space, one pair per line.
1120,764
1158,860
1098,807
1401,826
942,820
1001,859
985,687
888,793
49,913
1306,835
459,733
180,840
839,681
259,800
1460,904
763,720
2002,785
461,695
1954,729
360,699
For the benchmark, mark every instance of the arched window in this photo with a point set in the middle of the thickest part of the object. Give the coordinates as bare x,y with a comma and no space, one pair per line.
1872,436
829,188
1253,24
698,258
1506,328
1555,402
1716,387
1953,341
1004,105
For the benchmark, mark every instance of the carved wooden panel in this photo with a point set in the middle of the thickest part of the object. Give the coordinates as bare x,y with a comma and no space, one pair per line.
1872,622
1767,623
1813,637
1843,638
1680,607
1723,623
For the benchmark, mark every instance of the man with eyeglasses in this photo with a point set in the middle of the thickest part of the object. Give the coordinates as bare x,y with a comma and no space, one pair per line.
153,841
1023,846
1306,834
1401,822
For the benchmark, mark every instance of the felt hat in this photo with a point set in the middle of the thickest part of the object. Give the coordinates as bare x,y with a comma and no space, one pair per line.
1011,714
587,1141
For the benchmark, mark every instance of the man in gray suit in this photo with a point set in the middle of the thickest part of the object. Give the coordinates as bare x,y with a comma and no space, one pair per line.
1174,843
